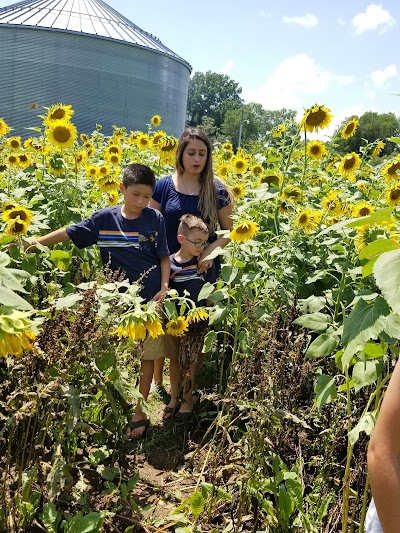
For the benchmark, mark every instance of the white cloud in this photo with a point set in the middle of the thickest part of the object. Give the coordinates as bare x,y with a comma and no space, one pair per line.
264,14
308,21
372,18
227,67
380,77
296,80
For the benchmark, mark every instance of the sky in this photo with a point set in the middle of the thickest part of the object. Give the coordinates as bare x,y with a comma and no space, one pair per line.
286,54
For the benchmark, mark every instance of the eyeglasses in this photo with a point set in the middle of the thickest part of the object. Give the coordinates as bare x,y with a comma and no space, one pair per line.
199,244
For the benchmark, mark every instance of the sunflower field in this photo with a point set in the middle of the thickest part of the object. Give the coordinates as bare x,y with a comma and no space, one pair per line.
302,338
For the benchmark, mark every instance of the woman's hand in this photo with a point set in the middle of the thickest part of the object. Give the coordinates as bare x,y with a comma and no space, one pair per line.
204,264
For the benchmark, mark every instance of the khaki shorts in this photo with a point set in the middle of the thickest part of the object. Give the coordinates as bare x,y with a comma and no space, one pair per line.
163,346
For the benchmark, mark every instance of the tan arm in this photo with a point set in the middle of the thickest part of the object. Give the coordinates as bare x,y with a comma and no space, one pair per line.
55,237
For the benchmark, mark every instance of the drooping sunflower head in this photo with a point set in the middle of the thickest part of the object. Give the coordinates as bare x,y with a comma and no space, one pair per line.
154,328
157,137
393,195
316,149
331,203
308,220
362,209
108,183
177,327
14,143
238,190
58,112
315,118
156,120
4,128
380,145
16,227
349,164
349,128
293,194
371,232
271,178
244,231
198,314
61,133
391,170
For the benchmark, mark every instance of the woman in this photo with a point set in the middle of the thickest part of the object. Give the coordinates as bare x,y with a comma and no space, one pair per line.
193,189
384,463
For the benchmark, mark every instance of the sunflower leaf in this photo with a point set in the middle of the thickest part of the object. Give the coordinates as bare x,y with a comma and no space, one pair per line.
381,215
378,247
387,276
12,299
322,346
394,140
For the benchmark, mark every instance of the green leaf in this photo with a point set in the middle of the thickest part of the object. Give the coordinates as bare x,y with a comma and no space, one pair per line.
378,247
286,503
373,350
209,340
387,276
368,268
322,346
10,281
4,259
197,503
68,301
105,360
381,215
12,299
90,523
366,372
392,327
366,423
133,481
218,313
209,488
314,321
325,390
365,322
50,517
59,255
206,290
394,139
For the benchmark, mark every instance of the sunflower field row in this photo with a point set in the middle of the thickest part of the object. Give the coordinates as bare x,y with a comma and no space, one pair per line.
303,331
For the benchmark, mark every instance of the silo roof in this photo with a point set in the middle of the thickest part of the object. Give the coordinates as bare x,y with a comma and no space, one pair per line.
89,17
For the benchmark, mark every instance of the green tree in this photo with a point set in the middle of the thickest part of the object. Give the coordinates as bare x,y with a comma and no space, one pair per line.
373,126
210,95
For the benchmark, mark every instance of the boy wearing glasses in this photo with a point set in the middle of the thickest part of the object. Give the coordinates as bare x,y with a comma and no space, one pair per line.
192,236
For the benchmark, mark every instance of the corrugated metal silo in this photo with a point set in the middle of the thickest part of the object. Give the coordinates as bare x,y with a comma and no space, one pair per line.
84,53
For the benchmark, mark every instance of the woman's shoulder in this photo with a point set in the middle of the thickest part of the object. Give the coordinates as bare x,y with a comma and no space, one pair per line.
164,181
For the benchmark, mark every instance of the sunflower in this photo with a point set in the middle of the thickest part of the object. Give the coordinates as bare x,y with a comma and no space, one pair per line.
16,227
24,160
315,118
393,195
227,147
371,232
331,203
349,129
143,141
256,169
293,193
223,170
133,136
197,315
108,183
61,133
238,190
24,214
112,197
32,144
14,143
239,164
14,343
157,137
91,171
390,170
104,170
380,145
277,132
114,159
244,231
154,328
349,164
168,144
156,120
362,185
4,128
177,327
136,331
80,158
362,209
308,220
316,149
7,206
58,112
12,160
273,179
285,207
3,167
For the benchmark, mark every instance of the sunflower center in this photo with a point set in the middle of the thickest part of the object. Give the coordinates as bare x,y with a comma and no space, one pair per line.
394,168
242,230
316,118
349,129
395,194
61,134
58,114
14,144
315,150
364,211
349,162
303,218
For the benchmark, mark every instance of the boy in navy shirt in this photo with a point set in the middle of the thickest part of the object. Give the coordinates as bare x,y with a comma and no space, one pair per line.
132,240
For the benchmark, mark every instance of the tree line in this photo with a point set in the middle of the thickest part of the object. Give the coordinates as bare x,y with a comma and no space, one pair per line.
215,104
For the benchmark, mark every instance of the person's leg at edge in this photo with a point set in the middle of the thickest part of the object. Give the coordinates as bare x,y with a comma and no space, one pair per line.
146,374
158,372
174,379
188,387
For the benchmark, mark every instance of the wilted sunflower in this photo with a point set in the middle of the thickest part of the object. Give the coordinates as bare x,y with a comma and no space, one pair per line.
293,193
4,128
316,149
349,129
238,190
156,120
16,227
349,164
315,118
390,170
244,231
154,328
273,179
14,143
239,165
331,203
18,212
371,232
308,220
143,141
61,133
362,209
380,145
58,112
393,195
177,327
197,315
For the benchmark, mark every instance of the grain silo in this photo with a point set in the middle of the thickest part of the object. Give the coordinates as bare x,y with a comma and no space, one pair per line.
84,53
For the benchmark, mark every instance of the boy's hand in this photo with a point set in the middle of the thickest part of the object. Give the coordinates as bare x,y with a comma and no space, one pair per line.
160,294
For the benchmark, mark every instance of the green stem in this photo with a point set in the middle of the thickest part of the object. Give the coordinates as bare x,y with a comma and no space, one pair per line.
339,296
346,480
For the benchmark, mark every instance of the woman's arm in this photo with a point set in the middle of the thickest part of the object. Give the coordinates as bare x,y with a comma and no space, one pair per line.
226,223
384,457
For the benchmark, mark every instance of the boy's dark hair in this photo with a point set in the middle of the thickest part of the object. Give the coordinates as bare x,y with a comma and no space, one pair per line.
188,222
137,174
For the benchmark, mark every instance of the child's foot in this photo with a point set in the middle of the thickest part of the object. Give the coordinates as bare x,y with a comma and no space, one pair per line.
138,426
